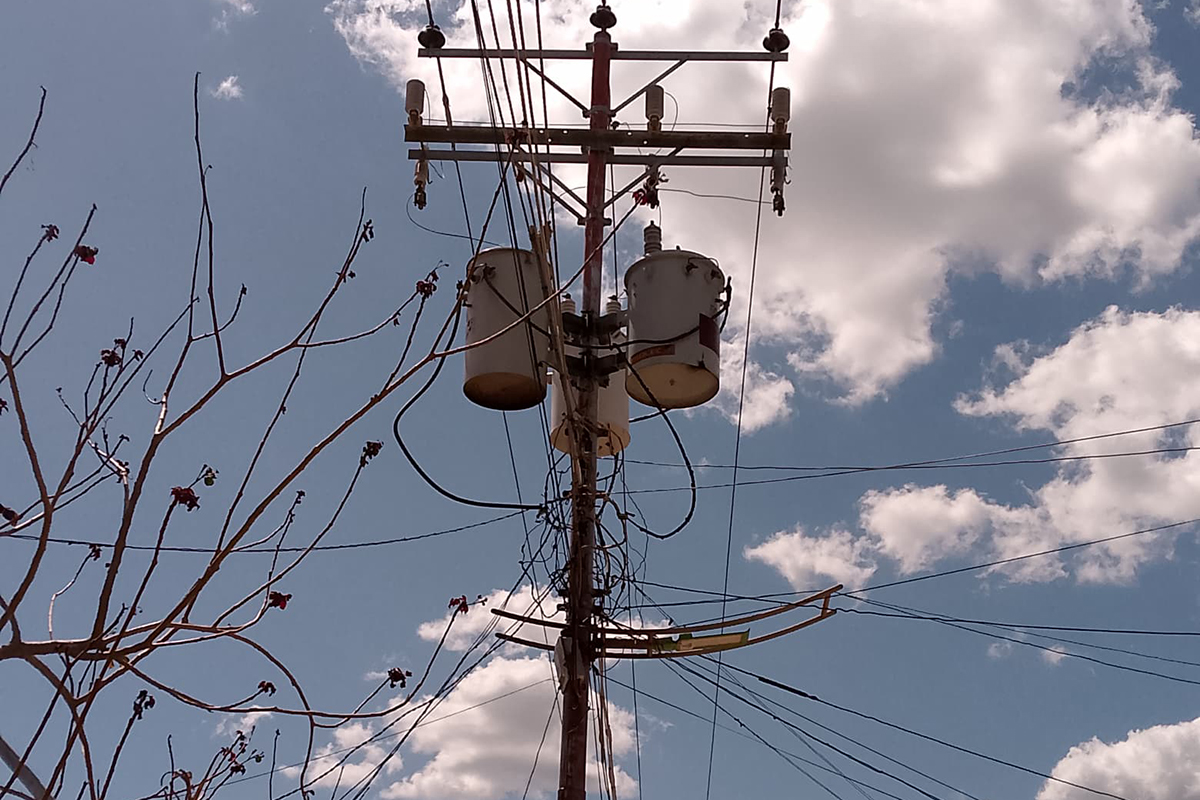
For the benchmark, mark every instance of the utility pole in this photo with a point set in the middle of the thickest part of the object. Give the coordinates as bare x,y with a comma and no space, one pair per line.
583,637
573,756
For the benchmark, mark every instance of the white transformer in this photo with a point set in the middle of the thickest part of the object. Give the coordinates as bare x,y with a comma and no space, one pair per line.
674,341
507,373
612,401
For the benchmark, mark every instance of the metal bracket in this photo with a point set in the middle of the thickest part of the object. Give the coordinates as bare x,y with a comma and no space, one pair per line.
581,326
594,367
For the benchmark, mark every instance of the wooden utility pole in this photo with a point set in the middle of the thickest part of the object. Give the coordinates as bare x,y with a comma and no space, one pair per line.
581,638
572,771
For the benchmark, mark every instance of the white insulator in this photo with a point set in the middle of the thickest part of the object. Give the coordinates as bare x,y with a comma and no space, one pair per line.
654,102
612,404
781,105
507,372
675,344
421,172
414,98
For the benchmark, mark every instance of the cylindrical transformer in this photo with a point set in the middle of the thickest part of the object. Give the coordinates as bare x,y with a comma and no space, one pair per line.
612,400
781,105
674,340
507,373
654,105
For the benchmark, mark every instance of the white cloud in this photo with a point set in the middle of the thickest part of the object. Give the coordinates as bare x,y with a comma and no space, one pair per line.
1158,763
1192,12
998,650
231,724
488,751
806,560
916,526
1054,655
1120,371
228,89
972,150
467,627
1117,372
481,742
231,10
326,770
767,393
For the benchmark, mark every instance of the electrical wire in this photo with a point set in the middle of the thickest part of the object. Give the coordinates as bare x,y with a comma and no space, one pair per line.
902,467
271,550
959,748
737,445
742,732
775,597
682,451
1060,652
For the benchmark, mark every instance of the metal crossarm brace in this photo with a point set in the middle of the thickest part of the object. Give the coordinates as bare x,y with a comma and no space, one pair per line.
620,159
617,54
582,137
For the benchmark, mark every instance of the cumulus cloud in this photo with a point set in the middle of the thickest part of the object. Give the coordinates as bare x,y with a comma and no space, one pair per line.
483,736
231,10
806,560
231,724
228,89
1157,763
916,526
980,155
1120,371
998,650
328,770
767,393
1054,655
484,747
527,601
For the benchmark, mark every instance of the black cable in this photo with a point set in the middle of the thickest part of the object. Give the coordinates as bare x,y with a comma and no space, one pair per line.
917,466
914,613
437,487
538,755
677,669
737,444
816,739
1013,559
682,451
846,470
1065,653
775,596
807,696
777,750
271,550
1015,626
427,229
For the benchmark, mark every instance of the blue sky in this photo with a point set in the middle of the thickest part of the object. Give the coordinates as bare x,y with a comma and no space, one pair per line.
990,242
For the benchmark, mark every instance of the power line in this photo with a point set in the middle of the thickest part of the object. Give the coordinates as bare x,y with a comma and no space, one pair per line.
1016,625
808,696
737,442
271,550
850,470
1068,654
748,736
776,596
352,748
